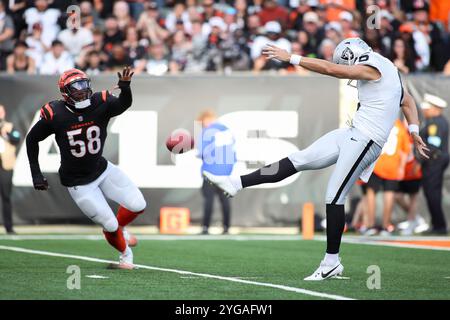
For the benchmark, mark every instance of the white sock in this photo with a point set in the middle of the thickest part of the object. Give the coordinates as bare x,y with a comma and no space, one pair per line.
331,258
236,182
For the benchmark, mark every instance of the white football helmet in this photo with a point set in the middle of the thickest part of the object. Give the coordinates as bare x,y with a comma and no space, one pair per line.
350,50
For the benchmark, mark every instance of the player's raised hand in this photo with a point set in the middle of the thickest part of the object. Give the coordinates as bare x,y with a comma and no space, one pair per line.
273,52
40,183
126,75
420,146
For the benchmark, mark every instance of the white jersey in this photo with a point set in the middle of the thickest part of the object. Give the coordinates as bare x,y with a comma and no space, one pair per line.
379,99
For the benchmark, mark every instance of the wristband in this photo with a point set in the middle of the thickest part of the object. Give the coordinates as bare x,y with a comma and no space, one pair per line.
413,128
295,59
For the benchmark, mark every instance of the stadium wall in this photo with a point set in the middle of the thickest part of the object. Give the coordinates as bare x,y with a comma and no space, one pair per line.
271,116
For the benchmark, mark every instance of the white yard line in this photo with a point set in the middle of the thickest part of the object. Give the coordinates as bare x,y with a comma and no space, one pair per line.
183,272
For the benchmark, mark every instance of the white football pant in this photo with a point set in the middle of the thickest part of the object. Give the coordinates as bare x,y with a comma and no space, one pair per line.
114,185
349,149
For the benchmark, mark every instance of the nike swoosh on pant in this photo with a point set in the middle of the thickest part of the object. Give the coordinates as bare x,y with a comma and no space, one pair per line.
329,272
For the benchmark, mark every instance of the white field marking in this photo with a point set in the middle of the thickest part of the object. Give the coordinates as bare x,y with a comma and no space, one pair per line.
183,272
94,276
341,278
447,277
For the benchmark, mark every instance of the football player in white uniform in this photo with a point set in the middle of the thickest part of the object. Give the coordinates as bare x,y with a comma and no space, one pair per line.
354,150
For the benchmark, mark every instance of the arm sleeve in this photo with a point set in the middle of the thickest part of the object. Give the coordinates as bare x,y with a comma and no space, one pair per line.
118,105
39,132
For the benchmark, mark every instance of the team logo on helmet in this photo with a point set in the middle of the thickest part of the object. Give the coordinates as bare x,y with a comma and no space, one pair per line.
347,54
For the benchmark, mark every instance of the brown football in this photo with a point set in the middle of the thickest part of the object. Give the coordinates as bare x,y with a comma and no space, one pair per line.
180,141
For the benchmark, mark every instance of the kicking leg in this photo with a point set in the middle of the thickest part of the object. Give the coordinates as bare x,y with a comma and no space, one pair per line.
321,154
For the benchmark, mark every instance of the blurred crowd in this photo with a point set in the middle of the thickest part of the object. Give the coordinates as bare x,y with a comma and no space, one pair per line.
193,36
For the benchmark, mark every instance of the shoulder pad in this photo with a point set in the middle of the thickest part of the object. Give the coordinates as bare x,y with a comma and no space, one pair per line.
47,111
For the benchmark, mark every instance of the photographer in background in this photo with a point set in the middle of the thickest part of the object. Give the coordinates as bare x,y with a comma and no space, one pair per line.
435,135
9,139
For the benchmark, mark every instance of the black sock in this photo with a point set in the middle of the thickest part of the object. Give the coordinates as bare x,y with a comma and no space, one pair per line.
271,173
335,227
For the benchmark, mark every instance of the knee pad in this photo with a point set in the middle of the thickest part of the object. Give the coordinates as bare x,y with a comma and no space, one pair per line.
111,224
137,203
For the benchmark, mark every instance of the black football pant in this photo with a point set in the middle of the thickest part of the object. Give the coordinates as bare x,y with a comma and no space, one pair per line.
433,179
5,191
209,191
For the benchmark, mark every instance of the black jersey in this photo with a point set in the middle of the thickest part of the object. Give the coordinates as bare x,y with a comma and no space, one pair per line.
80,135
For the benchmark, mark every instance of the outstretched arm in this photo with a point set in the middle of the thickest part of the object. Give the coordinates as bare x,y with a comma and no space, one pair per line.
409,109
39,132
119,105
354,72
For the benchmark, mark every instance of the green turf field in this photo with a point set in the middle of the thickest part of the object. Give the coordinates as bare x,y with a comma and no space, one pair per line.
246,269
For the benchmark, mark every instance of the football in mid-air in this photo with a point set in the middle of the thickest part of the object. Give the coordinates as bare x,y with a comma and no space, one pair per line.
180,141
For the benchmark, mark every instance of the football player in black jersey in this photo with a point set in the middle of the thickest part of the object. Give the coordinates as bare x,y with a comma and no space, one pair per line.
79,123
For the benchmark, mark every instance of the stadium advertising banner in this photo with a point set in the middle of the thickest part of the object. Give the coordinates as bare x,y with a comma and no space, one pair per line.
269,116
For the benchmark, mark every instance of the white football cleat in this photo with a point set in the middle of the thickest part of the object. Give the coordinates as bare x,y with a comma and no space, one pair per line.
326,271
125,261
129,238
222,182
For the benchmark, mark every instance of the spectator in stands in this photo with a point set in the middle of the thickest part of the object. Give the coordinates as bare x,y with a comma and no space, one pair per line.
402,56
255,7
158,61
216,149
9,139
135,49
253,27
74,40
17,10
241,12
197,60
209,11
346,21
36,47
333,31
273,12
6,36
178,16
315,34
272,36
432,34
416,40
57,60
150,24
19,61
112,35
47,17
118,59
326,49
296,15
88,15
181,48
94,64
121,11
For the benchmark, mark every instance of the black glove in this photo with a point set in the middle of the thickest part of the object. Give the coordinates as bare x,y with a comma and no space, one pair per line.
40,183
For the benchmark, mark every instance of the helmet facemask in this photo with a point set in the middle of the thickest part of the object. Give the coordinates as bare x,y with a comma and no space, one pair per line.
79,93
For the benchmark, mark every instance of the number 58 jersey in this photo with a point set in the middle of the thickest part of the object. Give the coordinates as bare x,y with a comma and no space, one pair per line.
80,136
